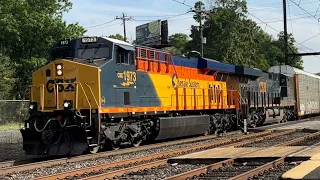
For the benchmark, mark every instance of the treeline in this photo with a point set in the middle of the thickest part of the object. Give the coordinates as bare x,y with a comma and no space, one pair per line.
28,28
234,38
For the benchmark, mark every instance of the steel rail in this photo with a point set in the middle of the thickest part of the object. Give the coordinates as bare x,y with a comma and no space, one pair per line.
6,164
264,138
228,142
48,163
204,170
141,167
259,170
301,139
201,171
120,172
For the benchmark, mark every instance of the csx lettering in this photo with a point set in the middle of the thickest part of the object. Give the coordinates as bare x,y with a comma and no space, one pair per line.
188,84
61,87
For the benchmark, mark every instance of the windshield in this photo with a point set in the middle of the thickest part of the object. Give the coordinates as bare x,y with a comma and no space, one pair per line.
94,53
59,53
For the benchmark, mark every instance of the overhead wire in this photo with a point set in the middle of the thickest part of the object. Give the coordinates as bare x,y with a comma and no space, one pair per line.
99,27
108,22
183,3
281,19
304,10
277,6
163,19
100,24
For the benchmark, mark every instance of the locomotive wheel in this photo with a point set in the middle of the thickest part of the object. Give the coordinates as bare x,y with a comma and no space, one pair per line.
94,149
114,146
136,142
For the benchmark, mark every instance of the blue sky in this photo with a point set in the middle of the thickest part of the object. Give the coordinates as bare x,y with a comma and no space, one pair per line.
97,12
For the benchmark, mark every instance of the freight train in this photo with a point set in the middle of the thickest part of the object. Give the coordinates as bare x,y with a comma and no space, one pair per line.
98,93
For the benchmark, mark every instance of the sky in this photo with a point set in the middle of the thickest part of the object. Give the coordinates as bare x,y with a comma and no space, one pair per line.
98,17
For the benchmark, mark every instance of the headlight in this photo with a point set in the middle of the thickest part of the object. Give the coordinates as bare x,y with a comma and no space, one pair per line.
59,66
66,104
33,106
59,72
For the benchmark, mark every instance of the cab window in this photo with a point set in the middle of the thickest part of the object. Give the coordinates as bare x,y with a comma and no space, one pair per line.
124,56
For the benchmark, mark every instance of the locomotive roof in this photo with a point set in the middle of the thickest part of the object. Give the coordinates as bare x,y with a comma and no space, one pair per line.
251,72
290,71
116,41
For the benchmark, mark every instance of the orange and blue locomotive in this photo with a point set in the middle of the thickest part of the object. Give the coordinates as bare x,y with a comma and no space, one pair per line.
98,93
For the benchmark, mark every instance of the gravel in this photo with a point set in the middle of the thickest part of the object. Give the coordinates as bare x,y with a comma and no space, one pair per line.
277,140
11,144
227,172
94,162
161,172
276,173
10,137
308,142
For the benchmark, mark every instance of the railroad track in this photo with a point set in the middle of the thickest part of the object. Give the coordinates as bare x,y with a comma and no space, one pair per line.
33,160
24,166
130,165
33,170
146,147
158,166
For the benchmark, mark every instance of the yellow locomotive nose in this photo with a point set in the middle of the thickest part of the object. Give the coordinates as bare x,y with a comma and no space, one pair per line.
59,86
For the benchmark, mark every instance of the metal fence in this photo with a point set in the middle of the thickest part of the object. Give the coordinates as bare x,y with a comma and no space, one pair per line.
12,115
13,111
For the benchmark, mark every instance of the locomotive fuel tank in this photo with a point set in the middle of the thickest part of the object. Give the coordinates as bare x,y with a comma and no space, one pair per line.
174,127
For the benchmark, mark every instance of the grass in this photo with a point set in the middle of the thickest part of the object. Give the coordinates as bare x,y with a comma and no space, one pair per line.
10,126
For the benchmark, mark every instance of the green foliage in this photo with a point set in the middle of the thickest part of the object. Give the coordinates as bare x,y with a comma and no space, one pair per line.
234,38
10,126
117,36
178,43
28,29
6,74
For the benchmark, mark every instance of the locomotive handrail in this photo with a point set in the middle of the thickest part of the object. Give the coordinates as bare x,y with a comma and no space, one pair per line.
41,87
76,99
88,103
87,84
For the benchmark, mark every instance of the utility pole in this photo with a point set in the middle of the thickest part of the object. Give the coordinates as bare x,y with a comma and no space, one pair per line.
201,32
199,12
285,32
124,18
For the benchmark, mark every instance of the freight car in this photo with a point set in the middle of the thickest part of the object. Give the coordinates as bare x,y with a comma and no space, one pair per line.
98,93
302,88
264,99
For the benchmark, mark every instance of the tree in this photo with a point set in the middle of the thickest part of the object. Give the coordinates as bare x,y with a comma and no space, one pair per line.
178,43
6,79
28,30
117,36
234,38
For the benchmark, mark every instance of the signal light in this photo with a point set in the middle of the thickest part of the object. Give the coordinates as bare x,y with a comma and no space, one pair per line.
59,66
59,69
59,72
